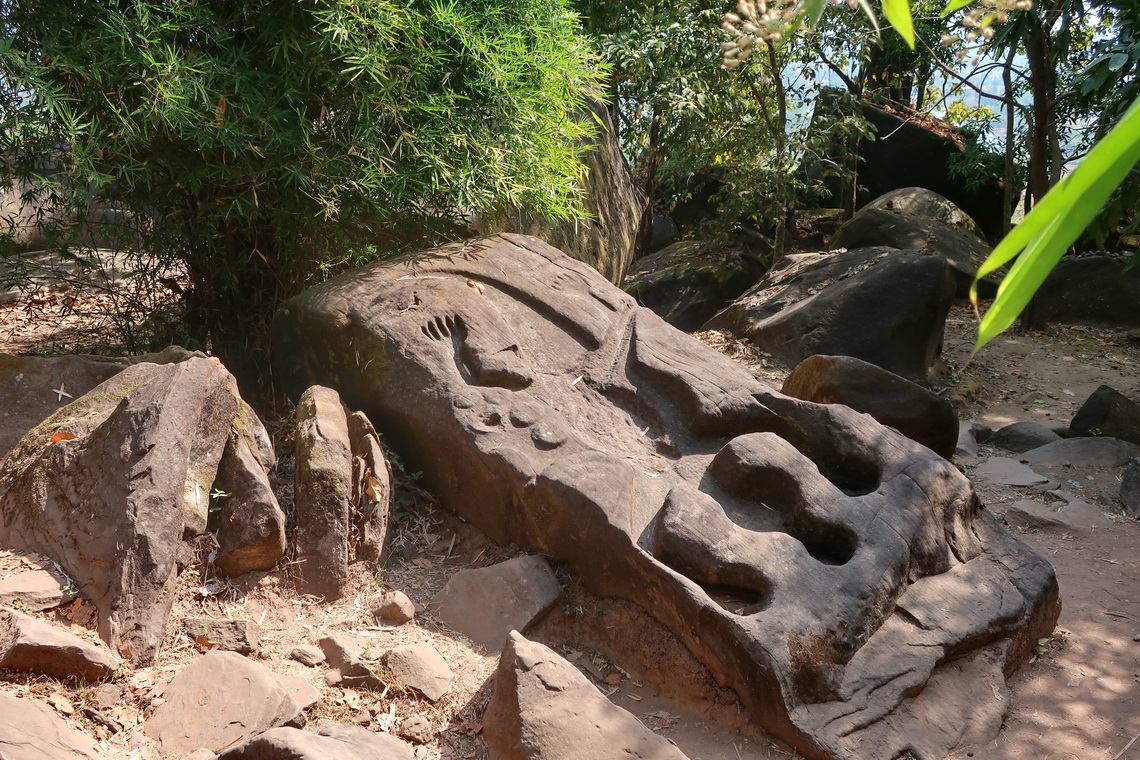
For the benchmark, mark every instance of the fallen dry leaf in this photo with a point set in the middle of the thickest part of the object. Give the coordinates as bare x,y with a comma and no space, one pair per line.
204,643
613,679
480,287
63,436
374,488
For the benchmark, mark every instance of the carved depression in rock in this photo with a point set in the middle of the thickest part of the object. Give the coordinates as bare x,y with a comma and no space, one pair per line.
844,580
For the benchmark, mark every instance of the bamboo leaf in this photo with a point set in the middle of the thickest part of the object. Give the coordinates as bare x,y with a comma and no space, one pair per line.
954,5
898,14
1055,224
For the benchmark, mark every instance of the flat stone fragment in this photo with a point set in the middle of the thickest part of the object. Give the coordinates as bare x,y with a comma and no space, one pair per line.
33,590
487,603
1077,516
967,444
305,694
219,699
335,742
31,645
1082,452
30,730
1023,436
543,708
346,668
307,654
241,636
776,537
420,667
1003,471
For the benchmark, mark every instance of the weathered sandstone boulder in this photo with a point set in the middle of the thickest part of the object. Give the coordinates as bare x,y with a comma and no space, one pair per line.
882,305
688,282
110,484
964,251
547,408
30,730
917,413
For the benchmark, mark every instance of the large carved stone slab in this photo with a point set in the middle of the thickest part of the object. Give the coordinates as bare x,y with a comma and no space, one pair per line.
822,565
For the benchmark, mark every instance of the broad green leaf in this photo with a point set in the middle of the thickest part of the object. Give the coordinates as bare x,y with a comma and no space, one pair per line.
898,13
954,5
1055,223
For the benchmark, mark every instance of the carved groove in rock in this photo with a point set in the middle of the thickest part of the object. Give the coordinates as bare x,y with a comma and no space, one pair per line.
822,565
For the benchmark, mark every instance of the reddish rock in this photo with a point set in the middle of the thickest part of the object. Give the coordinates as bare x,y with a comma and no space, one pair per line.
488,603
543,708
335,742
241,636
217,700
30,730
113,503
420,667
909,408
393,608
248,521
31,645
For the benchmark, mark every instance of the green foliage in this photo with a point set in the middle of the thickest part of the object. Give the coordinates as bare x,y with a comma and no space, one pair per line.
258,138
1055,223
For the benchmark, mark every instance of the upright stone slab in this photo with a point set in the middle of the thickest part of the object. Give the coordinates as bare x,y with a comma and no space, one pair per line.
822,565
322,493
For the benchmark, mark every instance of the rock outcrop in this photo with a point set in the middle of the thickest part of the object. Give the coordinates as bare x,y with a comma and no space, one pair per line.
881,305
547,408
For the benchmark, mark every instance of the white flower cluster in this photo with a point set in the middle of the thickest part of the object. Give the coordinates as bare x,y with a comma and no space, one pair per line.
755,20
982,19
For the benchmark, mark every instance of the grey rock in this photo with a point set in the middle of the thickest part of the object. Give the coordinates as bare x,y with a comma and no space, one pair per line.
322,493
30,730
335,742
1003,471
417,729
241,636
1108,413
1130,489
543,708
1082,452
420,667
967,444
1077,516
688,282
963,251
918,201
1023,436
393,608
304,693
31,645
113,504
1089,290
219,699
882,305
307,654
487,603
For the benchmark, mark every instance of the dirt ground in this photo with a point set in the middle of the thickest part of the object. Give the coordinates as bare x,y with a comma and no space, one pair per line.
1079,699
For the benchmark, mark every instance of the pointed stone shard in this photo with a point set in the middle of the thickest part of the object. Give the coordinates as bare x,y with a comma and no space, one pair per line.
543,708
